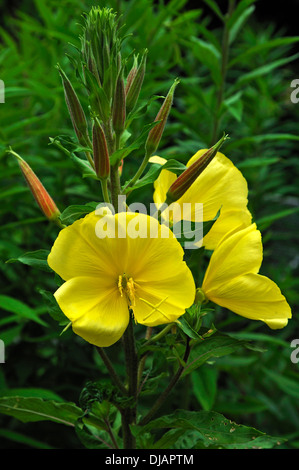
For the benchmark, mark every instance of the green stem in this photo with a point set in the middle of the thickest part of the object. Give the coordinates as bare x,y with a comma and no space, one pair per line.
138,172
159,402
224,61
104,184
159,335
90,159
110,432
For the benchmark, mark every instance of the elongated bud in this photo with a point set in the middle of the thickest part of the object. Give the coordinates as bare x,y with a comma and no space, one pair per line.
156,132
131,74
40,194
187,178
119,106
100,151
75,110
135,81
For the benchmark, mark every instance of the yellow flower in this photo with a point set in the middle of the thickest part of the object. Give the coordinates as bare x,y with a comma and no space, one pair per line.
108,277
232,280
220,186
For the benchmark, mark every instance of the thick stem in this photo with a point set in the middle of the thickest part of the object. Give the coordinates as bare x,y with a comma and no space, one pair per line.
115,188
129,413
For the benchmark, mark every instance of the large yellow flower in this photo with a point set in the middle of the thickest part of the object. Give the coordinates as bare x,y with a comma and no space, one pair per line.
220,186
107,277
232,280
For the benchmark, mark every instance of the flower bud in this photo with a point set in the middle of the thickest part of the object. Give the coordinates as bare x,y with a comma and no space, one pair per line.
101,42
100,151
131,74
187,178
156,132
119,106
75,110
135,81
40,194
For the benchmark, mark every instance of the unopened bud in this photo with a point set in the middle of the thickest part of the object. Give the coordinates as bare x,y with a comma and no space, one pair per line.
156,132
131,74
187,178
119,106
40,194
135,81
75,110
100,151
199,296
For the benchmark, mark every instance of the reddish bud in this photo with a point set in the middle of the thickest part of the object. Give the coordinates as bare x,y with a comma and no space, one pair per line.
135,81
75,109
100,151
187,178
156,132
40,194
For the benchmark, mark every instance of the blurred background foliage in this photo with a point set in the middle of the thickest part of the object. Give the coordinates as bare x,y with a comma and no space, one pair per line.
235,77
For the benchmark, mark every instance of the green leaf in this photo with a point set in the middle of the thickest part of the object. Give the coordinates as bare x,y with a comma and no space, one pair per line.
23,439
84,167
187,328
53,308
214,430
259,48
266,221
239,22
32,409
22,310
154,171
194,232
124,152
234,106
214,6
75,212
36,259
204,381
264,69
208,55
257,139
214,346
31,392
286,384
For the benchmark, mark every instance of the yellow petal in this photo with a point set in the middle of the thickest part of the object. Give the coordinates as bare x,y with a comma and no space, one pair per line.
230,220
141,252
220,186
238,253
255,297
94,306
77,250
163,301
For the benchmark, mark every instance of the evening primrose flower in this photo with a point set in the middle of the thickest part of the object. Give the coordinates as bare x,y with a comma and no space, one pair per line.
221,186
110,277
232,280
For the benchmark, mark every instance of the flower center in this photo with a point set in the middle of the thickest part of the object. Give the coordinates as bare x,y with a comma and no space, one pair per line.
127,287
